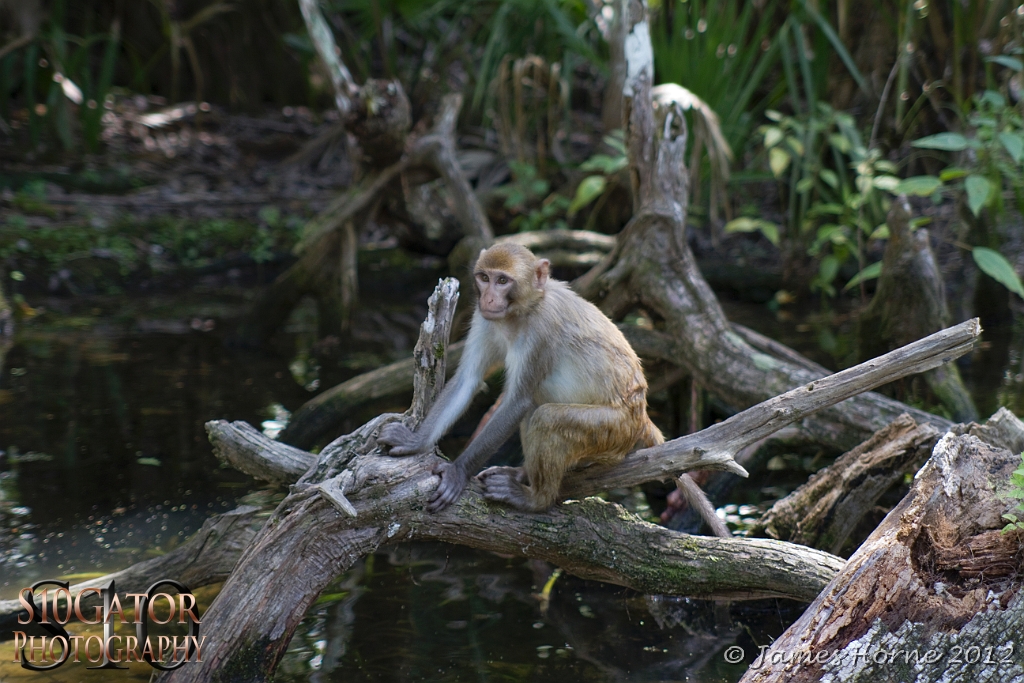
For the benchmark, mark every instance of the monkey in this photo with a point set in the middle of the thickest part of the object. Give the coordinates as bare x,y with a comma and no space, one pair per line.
573,386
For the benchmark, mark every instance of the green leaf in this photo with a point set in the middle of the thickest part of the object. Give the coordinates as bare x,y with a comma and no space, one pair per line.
589,190
880,233
830,178
829,269
979,190
1013,144
888,183
995,265
602,163
949,142
745,224
1008,62
952,173
772,136
869,273
805,185
778,160
919,185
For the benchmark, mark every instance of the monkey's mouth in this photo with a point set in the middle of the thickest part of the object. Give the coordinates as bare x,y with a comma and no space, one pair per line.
493,314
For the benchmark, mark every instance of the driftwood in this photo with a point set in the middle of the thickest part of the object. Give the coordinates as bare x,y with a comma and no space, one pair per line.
823,512
910,302
934,592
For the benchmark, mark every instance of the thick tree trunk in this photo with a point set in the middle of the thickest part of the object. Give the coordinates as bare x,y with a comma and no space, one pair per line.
933,594
910,302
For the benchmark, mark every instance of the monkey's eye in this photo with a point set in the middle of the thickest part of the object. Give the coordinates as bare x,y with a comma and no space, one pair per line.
483,277
502,280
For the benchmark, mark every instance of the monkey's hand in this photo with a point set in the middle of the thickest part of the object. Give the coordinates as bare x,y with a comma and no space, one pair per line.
505,485
399,440
453,482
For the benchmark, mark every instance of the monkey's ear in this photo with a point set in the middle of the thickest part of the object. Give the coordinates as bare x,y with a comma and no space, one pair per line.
541,273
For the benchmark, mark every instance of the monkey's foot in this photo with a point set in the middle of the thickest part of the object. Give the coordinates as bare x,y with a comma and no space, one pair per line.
453,482
397,440
506,485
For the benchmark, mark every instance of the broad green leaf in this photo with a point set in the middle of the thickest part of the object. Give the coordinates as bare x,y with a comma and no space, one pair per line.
1013,144
830,208
778,160
829,269
1008,62
869,273
952,173
604,163
773,115
979,189
830,178
746,224
995,265
840,142
889,183
950,142
772,136
919,185
880,233
805,185
589,190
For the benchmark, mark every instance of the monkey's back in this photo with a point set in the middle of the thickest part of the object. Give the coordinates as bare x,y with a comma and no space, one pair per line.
590,360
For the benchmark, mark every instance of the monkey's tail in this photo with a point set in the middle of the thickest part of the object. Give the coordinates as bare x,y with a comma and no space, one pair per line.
695,497
697,500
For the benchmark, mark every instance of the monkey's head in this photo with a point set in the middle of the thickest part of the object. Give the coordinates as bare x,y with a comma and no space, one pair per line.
510,280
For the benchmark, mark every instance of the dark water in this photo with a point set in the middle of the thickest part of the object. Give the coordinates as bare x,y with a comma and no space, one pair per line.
105,462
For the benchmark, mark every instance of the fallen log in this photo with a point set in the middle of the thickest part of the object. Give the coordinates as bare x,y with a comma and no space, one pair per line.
823,512
933,594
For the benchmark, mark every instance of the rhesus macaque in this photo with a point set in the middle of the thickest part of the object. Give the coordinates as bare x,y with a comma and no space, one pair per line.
573,387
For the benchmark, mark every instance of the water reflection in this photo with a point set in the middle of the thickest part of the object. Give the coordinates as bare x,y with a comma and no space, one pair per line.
440,613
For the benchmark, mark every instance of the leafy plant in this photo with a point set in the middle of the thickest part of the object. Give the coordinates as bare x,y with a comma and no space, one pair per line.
990,159
721,52
837,190
603,166
1016,491
523,198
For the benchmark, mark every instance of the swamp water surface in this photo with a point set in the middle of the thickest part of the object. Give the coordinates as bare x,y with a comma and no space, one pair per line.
105,462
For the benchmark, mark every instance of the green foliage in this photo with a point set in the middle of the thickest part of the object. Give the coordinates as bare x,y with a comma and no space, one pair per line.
837,187
158,243
63,66
1016,491
995,265
523,197
607,165
721,52
991,152
487,31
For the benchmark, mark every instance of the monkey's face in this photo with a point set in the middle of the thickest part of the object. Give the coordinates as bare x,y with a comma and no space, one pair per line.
497,292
